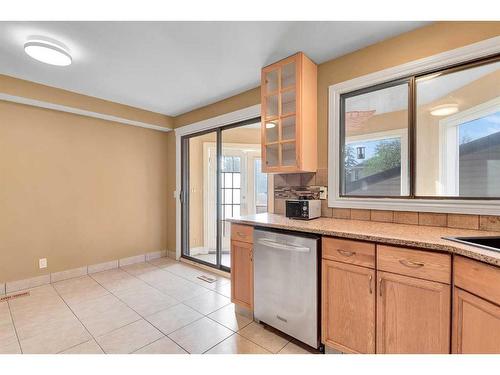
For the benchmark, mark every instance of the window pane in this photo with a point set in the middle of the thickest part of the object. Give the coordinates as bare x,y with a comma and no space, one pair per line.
228,180
458,133
236,211
236,196
228,196
236,180
236,164
375,156
260,187
228,212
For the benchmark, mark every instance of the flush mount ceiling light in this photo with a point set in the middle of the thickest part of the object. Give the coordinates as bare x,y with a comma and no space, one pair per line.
270,125
444,110
48,51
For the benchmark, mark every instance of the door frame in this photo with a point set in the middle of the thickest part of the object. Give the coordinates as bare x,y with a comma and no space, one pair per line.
211,123
182,207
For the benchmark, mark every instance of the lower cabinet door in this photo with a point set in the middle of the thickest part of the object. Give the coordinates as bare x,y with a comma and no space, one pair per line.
348,307
476,325
242,274
413,315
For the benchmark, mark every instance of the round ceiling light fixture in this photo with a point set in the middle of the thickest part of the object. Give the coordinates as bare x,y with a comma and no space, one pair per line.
270,125
444,110
48,51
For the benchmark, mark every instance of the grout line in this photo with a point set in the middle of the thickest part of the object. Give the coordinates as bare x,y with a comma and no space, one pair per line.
14,326
83,325
152,342
185,278
184,326
74,346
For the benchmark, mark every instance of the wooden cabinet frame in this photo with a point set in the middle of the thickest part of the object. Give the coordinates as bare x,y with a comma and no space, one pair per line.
242,280
305,115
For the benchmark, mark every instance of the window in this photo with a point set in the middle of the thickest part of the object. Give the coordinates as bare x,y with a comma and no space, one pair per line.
231,186
374,141
457,136
458,133
260,187
420,136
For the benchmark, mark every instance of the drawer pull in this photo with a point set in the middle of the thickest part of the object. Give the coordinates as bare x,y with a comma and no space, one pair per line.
370,278
346,253
411,264
241,234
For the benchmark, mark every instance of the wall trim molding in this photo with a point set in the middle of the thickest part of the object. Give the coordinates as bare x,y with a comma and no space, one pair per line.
473,51
81,112
211,123
53,277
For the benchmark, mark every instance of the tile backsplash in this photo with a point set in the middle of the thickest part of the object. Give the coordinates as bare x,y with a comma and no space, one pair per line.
307,184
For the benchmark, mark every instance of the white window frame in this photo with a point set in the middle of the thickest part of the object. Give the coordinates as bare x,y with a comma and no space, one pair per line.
460,55
448,143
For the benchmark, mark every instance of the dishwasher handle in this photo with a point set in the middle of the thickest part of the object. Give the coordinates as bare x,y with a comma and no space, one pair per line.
280,246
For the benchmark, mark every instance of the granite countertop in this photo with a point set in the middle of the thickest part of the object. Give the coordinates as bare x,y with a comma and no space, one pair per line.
418,236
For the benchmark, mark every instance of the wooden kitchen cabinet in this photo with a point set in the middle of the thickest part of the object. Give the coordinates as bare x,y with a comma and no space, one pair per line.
348,307
476,308
476,325
413,315
242,274
289,115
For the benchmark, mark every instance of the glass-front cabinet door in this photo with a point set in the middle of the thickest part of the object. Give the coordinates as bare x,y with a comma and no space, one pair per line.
281,105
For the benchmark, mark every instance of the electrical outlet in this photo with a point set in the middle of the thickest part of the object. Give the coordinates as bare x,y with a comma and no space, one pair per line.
323,192
42,263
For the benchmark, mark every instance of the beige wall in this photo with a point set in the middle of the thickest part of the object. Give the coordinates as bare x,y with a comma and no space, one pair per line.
243,100
27,89
78,190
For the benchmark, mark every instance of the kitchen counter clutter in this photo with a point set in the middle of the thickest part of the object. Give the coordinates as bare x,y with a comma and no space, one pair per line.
385,288
417,236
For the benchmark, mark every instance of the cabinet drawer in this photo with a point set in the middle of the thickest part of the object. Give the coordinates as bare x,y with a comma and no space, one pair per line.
243,233
349,251
478,278
416,263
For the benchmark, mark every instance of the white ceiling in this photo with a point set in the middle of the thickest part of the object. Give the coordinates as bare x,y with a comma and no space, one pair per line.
174,67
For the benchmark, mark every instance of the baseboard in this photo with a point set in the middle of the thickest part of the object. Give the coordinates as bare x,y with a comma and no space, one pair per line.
32,282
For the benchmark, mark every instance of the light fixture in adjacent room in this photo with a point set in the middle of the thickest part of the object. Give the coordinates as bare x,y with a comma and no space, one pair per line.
444,110
48,51
270,125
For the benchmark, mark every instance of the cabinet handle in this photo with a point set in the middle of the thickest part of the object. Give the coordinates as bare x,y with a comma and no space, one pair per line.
411,264
380,286
251,255
241,234
346,253
370,278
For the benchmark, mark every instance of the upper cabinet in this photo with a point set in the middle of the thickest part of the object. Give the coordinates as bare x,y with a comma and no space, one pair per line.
289,115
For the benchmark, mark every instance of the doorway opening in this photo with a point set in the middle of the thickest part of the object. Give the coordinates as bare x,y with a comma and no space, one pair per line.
221,178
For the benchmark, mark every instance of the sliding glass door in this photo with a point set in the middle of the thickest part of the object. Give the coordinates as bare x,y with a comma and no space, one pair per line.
222,178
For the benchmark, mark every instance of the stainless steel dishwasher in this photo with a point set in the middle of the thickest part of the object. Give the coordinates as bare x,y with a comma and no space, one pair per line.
286,283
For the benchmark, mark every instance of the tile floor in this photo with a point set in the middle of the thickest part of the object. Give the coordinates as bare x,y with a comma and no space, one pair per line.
147,308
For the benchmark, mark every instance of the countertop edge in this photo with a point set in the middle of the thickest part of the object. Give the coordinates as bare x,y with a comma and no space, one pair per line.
451,248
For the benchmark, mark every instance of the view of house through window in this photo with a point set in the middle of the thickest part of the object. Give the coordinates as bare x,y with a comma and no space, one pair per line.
375,142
